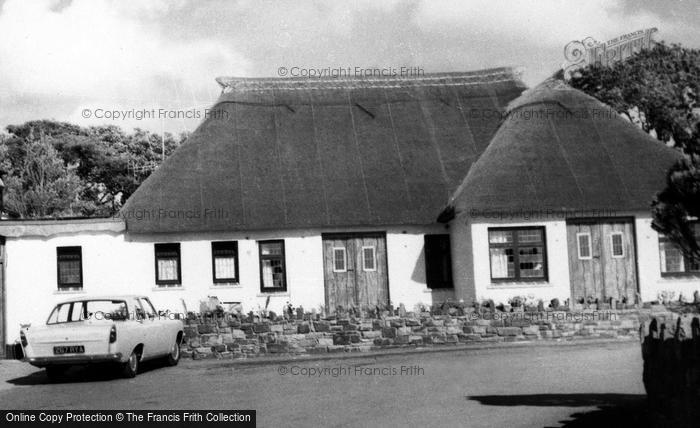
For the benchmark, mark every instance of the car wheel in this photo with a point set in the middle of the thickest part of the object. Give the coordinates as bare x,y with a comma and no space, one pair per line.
55,373
174,355
131,367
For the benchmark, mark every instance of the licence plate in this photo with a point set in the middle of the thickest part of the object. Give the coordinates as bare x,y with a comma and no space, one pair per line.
60,350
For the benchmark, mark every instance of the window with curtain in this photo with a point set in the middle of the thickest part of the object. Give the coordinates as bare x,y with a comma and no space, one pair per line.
167,265
673,261
225,262
69,262
517,254
273,275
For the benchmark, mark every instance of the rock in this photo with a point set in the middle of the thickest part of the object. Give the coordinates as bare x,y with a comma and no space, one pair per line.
382,341
474,329
202,352
190,331
261,328
341,339
371,334
277,348
509,331
365,326
351,327
206,328
415,340
453,330
325,341
470,338
403,331
303,328
531,330
238,334
389,332
211,340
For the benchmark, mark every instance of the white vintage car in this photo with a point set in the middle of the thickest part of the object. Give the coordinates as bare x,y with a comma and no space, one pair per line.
124,330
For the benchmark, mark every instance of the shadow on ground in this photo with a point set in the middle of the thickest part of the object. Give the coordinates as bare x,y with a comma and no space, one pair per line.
620,410
78,374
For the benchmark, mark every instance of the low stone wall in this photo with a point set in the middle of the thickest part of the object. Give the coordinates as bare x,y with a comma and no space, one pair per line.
232,337
671,352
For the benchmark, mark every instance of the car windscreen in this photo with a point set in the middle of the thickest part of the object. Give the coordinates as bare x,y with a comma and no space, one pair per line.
89,310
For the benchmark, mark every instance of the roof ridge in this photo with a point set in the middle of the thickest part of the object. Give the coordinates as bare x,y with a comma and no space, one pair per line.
492,75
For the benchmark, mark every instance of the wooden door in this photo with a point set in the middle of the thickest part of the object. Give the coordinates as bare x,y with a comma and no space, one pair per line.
355,270
602,259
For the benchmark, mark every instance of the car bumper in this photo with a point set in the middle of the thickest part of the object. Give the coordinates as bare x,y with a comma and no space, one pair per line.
74,359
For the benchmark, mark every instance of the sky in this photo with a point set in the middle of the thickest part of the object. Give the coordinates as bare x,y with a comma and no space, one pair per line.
91,62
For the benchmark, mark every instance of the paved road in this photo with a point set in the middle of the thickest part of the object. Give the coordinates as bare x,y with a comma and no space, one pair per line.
530,386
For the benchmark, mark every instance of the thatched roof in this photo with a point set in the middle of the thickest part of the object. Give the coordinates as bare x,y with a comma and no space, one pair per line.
562,150
295,153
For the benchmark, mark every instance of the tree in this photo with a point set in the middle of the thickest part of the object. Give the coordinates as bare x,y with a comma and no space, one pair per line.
658,89
108,163
41,185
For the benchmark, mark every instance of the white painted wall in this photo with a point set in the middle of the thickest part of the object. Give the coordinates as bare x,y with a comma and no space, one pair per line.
406,260
115,263
651,282
470,243
557,285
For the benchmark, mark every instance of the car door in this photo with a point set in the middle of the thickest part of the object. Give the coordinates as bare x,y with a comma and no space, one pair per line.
155,332
145,330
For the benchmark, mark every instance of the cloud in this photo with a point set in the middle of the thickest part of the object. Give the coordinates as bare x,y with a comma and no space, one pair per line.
108,52
544,23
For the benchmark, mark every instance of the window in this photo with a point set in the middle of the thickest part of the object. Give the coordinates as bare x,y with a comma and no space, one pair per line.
517,254
583,241
438,261
617,247
369,260
339,260
88,310
69,262
224,258
167,265
145,310
273,276
673,261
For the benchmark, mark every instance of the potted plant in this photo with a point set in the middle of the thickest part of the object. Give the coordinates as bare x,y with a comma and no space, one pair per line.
517,303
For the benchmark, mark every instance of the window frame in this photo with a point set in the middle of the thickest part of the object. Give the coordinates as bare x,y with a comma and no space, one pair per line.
232,246
516,256
622,245
374,258
446,284
578,246
175,246
345,260
69,286
262,257
686,260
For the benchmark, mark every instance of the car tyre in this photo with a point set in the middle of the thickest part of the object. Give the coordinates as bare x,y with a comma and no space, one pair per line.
174,355
131,366
55,373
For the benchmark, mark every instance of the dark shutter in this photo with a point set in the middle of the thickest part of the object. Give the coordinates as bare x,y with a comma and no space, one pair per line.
438,261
